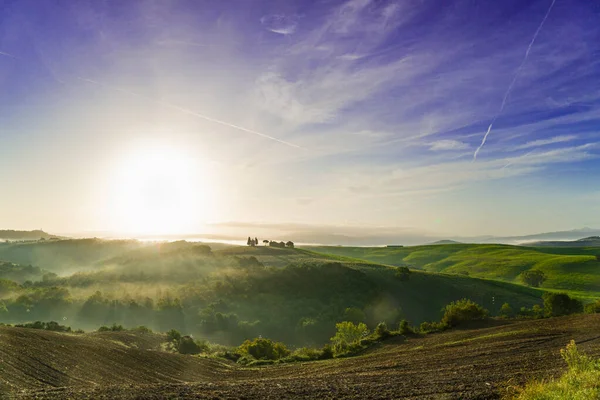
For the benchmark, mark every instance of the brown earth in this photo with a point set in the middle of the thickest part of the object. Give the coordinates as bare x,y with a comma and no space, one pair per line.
461,364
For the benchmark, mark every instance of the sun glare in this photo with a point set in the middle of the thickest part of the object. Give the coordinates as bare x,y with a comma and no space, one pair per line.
161,190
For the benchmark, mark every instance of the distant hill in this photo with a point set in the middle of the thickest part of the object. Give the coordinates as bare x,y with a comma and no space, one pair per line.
567,268
446,241
592,241
65,256
24,235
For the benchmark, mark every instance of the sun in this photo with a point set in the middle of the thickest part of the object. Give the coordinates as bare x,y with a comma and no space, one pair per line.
160,189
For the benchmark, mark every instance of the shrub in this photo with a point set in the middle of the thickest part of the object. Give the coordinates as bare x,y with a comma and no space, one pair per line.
326,352
592,308
402,273
404,328
264,349
304,354
112,328
430,327
533,277
347,335
142,329
48,326
354,315
187,345
557,304
506,311
382,331
173,335
462,311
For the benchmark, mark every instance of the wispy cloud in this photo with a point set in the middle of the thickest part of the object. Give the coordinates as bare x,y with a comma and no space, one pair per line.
280,23
545,142
7,55
442,145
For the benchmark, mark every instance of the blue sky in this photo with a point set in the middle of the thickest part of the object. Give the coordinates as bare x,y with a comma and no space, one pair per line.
338,113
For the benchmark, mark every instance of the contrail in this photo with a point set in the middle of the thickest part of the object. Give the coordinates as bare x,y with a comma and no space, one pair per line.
535,35
8,55
191,112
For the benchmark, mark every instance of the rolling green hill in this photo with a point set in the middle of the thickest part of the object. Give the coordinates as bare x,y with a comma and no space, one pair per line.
566,268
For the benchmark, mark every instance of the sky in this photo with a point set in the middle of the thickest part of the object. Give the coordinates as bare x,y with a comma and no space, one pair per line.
449,117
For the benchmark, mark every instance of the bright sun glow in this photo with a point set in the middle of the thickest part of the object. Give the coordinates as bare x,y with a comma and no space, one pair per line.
161,190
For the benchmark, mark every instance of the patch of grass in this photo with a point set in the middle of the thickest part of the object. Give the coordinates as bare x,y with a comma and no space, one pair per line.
580,382
573,269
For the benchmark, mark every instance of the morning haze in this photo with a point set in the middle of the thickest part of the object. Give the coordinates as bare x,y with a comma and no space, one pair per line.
303,199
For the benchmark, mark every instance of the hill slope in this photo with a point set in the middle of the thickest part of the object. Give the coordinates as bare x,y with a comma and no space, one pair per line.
465,364
576,272
34,358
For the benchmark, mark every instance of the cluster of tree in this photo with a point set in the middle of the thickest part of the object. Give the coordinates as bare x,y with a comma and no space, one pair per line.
47,326
554,305
271,243
289,244
533,277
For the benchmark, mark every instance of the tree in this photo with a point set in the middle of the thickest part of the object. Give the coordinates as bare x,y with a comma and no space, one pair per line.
290,244
264,349
249,243
402,273
506,310
255,241
265,242
557,304
462,311
187,345
533,277
354,315
348,334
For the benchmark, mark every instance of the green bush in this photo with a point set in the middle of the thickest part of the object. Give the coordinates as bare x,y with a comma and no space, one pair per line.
264,349
326,352
402,274
431,327
592,308
557,304
304,354
461,311
142,329
347,336
506,311
535,312
173,335
533,277
112,328
382,331
187,345
47,326
404,328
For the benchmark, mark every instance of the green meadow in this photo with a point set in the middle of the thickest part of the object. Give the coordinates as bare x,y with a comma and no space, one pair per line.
576,270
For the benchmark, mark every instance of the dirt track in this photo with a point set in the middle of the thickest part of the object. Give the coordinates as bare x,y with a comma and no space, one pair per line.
473,364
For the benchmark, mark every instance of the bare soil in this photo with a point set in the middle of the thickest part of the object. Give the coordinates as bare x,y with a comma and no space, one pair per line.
460,364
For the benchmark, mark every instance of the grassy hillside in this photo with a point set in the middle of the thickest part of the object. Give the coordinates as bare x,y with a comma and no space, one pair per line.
65,256
465,364
280,257
566,268
230,295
